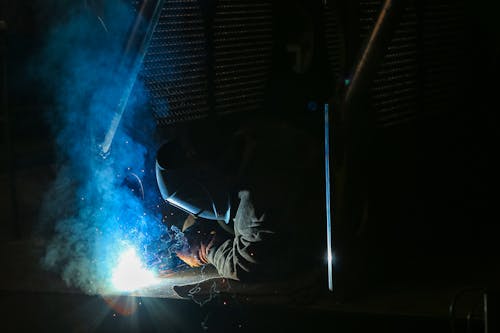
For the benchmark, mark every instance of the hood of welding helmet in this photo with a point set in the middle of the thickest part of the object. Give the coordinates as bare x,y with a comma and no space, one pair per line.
192,185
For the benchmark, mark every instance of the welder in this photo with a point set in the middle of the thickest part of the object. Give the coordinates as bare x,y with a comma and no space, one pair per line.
253,206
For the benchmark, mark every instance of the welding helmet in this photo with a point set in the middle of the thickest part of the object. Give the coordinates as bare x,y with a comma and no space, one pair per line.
196,186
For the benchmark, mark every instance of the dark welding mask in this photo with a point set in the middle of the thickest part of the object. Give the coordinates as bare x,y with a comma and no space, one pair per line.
193,185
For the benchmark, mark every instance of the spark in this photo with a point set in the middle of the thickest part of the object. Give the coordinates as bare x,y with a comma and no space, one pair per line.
130,273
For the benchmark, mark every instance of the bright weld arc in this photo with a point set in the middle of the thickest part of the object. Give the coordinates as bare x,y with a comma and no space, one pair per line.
130,273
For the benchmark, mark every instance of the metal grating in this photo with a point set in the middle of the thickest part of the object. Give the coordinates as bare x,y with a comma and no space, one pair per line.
334,40
419,74
443,25
175,69
395,88
243,43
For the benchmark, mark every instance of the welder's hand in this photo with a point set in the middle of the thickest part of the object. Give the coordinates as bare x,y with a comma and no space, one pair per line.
201,237
199,241
196,256
203,251
192,261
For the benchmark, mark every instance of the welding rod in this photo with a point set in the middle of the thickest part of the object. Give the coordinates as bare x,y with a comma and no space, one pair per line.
328,201
148,7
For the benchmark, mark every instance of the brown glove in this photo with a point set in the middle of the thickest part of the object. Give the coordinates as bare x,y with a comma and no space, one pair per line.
201,237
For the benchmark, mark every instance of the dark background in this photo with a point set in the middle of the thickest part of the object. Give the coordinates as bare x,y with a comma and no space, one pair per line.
423,198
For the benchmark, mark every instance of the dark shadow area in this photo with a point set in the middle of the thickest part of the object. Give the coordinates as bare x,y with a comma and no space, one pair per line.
414,216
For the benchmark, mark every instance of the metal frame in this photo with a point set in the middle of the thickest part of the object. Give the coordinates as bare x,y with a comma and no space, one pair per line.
348,107
135,51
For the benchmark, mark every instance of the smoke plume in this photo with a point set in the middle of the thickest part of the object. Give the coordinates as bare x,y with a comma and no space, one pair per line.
95,208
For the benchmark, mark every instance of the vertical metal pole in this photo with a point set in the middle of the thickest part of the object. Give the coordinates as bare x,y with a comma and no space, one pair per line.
328,200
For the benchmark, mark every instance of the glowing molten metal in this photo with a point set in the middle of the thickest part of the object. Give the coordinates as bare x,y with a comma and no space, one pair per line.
130,273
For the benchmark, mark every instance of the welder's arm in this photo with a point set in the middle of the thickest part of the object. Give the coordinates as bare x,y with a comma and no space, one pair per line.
241,258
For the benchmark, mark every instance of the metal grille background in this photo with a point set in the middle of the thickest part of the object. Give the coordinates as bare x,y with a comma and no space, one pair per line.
417,77
174,68
186,82
394,90
334,40
442,54
243,44
418,74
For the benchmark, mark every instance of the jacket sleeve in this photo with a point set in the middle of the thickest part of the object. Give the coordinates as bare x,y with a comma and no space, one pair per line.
273,223
241,258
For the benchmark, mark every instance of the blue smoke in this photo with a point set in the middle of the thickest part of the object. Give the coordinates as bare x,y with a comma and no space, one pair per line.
95,205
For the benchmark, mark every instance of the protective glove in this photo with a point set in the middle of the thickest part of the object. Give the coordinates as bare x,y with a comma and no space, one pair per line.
201,236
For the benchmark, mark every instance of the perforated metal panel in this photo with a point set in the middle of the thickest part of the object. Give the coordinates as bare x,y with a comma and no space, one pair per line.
175,68
419,74
334,40
442,53
243,42
394,91
197,64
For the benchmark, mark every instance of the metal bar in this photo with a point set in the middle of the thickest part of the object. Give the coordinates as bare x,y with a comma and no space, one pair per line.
373,51
328,201
351,97
140,38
